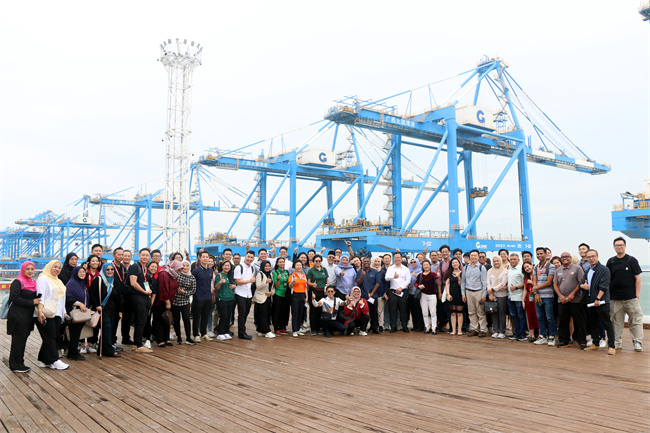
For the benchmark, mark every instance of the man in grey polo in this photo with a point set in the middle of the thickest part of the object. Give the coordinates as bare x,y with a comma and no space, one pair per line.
567,286
474,290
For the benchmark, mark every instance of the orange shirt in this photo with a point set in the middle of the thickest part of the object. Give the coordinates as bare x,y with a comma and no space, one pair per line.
300,282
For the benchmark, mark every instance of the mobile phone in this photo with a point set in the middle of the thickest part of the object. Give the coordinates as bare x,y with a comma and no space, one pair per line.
38,295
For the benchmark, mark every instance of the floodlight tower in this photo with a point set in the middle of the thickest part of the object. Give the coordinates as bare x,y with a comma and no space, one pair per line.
179,59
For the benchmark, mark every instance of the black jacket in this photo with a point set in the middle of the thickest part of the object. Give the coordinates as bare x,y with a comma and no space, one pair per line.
20,318
599,281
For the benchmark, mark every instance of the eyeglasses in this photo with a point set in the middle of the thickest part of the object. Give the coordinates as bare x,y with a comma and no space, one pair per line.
592,257
619,245
317,261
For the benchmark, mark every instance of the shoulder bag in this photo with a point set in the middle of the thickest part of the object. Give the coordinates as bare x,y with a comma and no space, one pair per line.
49,309
491,307
79,316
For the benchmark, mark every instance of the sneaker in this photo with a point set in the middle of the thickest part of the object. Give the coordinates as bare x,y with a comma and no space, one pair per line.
541,340
179,341
295,334
592,347
563,346
147,344
228,336
512,337
495,335
638,346
76,358
92,348
551,341
278,333
190,342
23,369
143,349
501,336
118,348
261,334
197,338
43,365
313,333
211,334
611,351
603,343
269,335
221,337
522,338
302,333
59,365
303,329
83,349
590,343
363,333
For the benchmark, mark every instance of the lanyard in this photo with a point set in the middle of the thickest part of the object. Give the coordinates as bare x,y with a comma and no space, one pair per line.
540,271
144,271
121,277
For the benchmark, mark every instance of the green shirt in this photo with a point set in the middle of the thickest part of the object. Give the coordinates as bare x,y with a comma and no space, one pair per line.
283,277
318,277
224,293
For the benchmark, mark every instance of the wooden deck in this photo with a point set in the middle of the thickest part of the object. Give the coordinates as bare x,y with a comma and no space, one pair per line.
386,383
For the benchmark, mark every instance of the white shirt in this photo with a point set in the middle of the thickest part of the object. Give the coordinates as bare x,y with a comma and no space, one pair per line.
331,273
403,278
244,272
45,288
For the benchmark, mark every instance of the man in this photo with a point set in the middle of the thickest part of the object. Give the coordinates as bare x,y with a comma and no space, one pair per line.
434,258
625,292
97,250
474,290
515,299
288,265
596,281
400,278
330,267
140,298
119,279
368,282
338,253
156,256
543,274
527,257
441,269
458,253
382,293
126,258
202,302
549,253
226,256
244,278
582,251
567,286
262,255
415,310
482,259
466,259
345,274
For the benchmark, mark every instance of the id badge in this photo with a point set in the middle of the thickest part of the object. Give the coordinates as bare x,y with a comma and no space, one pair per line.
146,286
531,298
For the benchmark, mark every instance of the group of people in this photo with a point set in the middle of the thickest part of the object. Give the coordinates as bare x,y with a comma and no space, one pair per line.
556,301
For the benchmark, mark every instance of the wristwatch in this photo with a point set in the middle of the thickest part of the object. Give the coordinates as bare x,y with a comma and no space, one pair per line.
598,299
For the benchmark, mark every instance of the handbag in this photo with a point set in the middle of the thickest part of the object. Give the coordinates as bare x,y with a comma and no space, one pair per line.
167,317
4,312
491,307
79,316
94,319
49,309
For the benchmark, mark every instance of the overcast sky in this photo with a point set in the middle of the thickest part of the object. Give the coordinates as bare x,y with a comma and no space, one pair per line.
83,99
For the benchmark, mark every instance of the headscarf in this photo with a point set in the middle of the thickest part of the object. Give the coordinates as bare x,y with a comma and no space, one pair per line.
107,281
352,297
172,267
66,271
188,273
27,282
59,287
76,287
262,265
497,271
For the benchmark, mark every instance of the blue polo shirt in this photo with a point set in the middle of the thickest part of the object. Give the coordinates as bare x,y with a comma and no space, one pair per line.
203,278
368,283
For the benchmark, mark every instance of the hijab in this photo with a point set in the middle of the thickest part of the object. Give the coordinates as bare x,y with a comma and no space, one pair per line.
497,271
107,281
352,297
66,270
59,287
188,273
263,265
172,267
27,282
76,287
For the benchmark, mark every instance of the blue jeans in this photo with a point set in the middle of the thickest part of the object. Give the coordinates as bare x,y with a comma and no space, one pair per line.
518,317
546,310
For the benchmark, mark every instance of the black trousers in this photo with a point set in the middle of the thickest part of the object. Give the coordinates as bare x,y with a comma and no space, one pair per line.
315,311
374,316
48,352
263,312
601,313
183,311
568,311
297,310
395,304
160,330
127,317
106,339
281,305
361,323
140,308
73,344
17,354
115,326
200,313
243,309
226,309
416,313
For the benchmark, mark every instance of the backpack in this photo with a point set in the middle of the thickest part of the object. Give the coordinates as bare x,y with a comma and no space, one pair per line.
253,285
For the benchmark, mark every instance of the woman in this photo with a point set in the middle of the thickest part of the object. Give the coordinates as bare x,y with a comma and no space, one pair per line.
330,306
181,303
453,295
76,296
152,271
52,290
497,283
298,286
426,282
167,287
93,266
356,313
68,266
106,299
262,297
20,323
281,298
316,282
529,302
376,264
224,295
